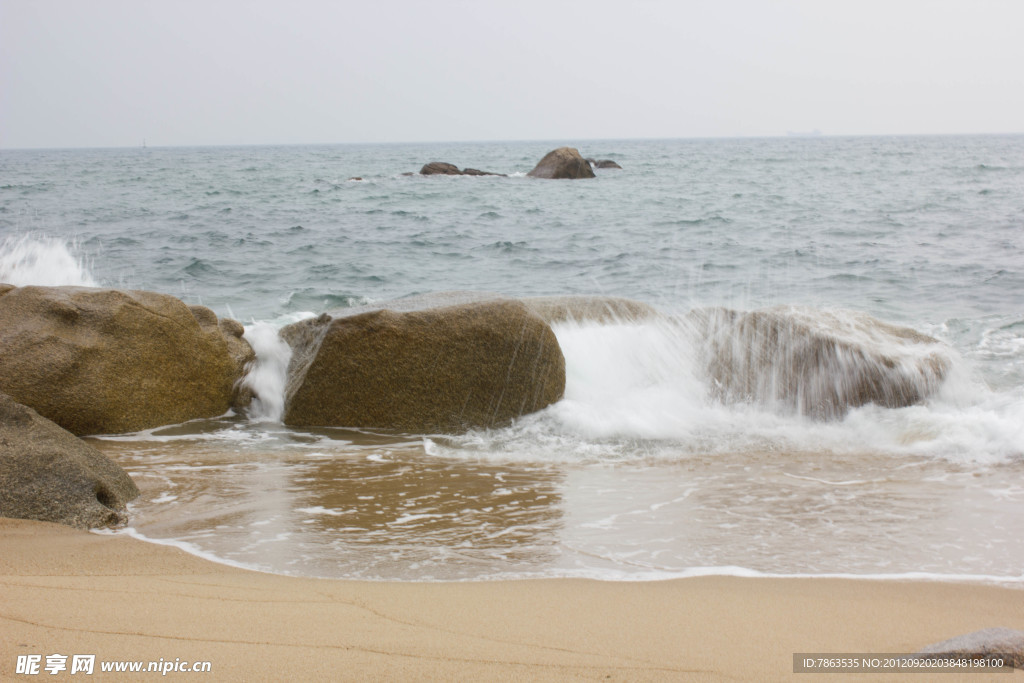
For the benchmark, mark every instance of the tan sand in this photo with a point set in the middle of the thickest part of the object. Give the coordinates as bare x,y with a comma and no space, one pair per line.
72,592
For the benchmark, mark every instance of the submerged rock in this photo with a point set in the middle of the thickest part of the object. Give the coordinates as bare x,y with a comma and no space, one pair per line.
551,309
817,363
106,361
603,163
47,474
476,171
438,370
564,162
421,302
602,309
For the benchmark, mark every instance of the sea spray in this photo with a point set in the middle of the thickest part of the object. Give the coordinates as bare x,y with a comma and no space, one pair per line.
46,261
268,374
633,380
646,390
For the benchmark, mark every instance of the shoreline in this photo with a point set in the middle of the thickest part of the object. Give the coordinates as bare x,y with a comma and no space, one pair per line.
1008,582
74,592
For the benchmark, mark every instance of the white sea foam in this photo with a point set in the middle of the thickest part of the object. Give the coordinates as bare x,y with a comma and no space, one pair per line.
195,430
641,390
616,575
629,380
187,546
268,374
39,260
321,510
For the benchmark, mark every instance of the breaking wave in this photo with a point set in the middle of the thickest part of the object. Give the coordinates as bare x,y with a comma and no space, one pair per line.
40,260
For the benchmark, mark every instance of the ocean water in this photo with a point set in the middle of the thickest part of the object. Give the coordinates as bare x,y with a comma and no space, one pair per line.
642,470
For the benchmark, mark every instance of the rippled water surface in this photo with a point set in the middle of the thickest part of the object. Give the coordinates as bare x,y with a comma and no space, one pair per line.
346,504
640,471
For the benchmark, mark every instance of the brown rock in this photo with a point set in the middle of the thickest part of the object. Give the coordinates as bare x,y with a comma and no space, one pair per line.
439,370
49,475
440,168
606,163
564,162
818,363
444,168
551,309
238,348
476,171
106,361
1006,643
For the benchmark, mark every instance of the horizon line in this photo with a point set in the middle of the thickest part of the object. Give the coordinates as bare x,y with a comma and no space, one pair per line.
789,135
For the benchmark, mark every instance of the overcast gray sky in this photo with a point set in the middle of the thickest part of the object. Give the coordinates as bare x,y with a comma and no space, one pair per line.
77,73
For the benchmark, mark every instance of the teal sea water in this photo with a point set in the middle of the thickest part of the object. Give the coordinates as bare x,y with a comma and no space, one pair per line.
639,472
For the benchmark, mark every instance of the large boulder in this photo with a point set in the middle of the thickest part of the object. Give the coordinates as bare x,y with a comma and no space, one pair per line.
106,361
48,474
439,370
564,162
818,363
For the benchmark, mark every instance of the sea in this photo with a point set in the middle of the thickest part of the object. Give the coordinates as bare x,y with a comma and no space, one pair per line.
642,471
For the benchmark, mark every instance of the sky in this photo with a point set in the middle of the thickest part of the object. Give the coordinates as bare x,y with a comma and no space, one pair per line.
115,73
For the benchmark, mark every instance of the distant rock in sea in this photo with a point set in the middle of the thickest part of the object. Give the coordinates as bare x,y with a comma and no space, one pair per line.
48,474
561,163
444,168
603,163
476,171
440,168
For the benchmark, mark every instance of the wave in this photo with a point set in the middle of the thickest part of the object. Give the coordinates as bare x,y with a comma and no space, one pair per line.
675,389
314,298
716,381
33,259
197,267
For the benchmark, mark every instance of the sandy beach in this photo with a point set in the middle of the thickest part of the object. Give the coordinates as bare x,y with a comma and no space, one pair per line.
71,592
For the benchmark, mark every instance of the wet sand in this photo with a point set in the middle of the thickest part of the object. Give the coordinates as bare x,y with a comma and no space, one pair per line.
348,505
72,592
